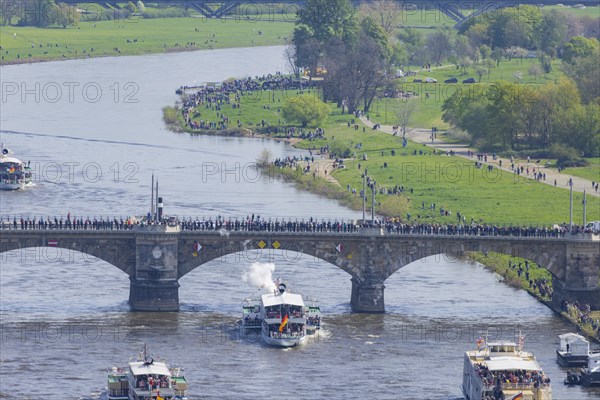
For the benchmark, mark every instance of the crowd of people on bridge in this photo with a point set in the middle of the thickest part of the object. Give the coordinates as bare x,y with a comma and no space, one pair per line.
67,223
391,226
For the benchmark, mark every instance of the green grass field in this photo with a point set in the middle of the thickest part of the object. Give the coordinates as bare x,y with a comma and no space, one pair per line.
136,36
452,183
428,111
591,11
506,70
591,172
456,185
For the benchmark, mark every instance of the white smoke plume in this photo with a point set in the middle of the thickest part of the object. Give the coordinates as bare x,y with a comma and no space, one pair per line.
223,232
260,275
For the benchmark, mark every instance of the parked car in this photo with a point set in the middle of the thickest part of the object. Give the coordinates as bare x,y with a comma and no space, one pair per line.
417,80
594,226
469,80
430,80
451,80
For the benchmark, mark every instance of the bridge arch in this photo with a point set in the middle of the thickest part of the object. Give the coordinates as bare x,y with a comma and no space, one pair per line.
119,252
60,282
218,284
551,256
194,253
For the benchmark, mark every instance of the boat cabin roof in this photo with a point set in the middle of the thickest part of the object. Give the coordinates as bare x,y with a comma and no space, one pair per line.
572,338
502,347
11,160
270,299
142,368
511,363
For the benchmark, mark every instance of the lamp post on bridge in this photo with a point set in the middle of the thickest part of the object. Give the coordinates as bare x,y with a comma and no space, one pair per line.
584,209
571,204
364,194
373,183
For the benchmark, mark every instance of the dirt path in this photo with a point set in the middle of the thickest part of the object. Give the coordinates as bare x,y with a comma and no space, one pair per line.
553,177
323,168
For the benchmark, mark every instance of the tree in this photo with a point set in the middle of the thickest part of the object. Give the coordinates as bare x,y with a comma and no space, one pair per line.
485,51
306,109
264,159
585,70
511,26
546,63
355,72
586,135
370,28
535,70
414,42
308,51
290,55
40,13
387,13
551,32
327,18
317,22
405,112
578,47
439,45
480,71
67,15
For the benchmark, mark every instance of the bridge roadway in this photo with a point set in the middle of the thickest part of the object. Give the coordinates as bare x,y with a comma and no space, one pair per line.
261,10
155,257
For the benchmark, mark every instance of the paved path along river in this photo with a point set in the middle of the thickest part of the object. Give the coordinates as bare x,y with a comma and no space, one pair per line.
424,136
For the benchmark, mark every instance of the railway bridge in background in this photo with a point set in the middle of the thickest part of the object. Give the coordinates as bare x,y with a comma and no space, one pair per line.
156,256
457,12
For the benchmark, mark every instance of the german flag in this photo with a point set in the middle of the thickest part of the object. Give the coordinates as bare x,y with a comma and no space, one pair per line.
284,322
518,396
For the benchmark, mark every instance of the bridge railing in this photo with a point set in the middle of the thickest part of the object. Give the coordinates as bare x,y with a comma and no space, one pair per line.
292,225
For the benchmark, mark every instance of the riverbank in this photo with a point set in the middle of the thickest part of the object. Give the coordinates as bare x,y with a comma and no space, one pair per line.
413,182
136,37
537,281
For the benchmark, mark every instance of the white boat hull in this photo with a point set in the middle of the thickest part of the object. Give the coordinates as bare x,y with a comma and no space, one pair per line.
11,186
284,342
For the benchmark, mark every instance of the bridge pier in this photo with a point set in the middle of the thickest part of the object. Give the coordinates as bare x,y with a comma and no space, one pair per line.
153,296
581,277
367,297
154,285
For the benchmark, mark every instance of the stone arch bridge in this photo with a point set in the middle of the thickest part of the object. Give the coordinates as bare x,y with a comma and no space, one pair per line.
155,257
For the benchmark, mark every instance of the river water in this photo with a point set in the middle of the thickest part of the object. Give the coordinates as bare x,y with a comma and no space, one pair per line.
94,134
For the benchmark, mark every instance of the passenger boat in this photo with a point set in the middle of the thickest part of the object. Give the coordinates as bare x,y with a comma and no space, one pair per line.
590,376
251,314
313,315
283,318
146,379
14,174
573,350
503,370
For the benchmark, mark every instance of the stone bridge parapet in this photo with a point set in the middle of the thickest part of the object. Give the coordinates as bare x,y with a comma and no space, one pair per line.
156,257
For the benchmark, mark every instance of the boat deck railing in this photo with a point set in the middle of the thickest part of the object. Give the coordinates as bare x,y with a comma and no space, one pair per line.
518,386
